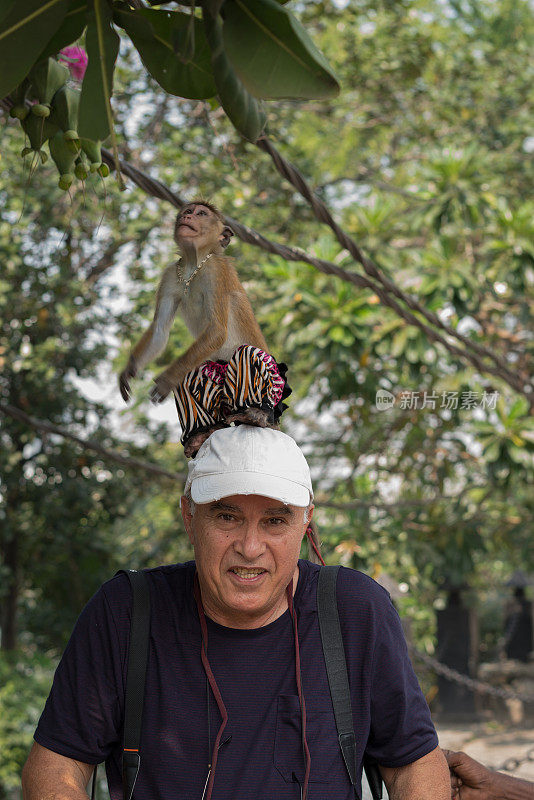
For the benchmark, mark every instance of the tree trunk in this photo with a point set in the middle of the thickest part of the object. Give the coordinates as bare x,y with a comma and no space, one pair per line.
10,600
10,554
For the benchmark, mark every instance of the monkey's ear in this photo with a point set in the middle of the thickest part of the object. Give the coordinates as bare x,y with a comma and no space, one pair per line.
225,236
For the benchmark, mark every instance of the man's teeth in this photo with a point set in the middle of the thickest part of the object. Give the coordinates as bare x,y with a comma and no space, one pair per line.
247,573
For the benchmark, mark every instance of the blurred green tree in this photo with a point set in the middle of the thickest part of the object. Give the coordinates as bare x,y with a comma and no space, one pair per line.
426,160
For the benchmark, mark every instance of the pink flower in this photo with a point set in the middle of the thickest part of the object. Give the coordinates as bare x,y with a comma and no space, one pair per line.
76,60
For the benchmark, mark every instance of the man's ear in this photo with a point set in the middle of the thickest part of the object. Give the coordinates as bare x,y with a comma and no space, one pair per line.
311,507
187,517
225,236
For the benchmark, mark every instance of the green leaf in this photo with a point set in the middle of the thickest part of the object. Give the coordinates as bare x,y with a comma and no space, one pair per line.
22,33
211,7
185,47
400,340
102,44
492,452
519,409
46,78
272,53
70,29
242,109
340,334
519,455
155,33
5,8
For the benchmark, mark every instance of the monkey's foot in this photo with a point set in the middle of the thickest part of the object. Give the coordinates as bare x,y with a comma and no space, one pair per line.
193,443
161,389
124,386
252,416
124,379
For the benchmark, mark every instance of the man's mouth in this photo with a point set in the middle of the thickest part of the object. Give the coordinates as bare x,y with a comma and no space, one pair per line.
247,573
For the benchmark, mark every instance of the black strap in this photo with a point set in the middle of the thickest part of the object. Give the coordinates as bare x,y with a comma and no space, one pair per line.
336,670
135,681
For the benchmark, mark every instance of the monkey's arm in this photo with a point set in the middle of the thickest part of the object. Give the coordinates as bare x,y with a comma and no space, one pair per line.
155,338
211,339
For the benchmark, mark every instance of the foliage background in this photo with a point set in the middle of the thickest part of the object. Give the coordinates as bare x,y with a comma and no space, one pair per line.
426,159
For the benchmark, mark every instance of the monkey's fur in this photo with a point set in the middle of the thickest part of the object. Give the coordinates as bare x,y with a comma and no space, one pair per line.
213,304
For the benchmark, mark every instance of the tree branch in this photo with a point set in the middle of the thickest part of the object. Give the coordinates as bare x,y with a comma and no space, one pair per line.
250,236
296,179
112,455
384,288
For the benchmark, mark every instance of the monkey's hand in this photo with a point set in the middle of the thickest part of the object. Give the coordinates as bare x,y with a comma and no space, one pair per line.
124,382
161,389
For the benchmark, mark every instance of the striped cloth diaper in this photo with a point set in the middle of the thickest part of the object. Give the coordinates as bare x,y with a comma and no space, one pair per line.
216,393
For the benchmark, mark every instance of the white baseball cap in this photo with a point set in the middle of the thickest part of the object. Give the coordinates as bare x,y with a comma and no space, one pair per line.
249,460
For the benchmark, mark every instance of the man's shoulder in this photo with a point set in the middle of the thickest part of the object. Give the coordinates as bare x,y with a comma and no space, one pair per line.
162,580
356,584
352,585
364,607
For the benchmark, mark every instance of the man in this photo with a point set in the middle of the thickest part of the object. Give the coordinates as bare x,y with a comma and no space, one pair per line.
237,704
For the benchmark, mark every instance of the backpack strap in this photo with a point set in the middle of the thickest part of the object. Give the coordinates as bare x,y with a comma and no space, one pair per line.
135,681
338,681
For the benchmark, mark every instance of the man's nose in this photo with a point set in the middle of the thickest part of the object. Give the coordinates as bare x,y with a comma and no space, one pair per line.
249,544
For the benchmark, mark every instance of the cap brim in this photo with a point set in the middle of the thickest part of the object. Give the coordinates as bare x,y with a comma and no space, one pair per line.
208,488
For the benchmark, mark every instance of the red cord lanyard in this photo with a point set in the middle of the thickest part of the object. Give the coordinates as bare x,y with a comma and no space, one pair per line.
305,748
208,788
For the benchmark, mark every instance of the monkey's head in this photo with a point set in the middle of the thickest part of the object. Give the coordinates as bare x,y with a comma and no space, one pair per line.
200,225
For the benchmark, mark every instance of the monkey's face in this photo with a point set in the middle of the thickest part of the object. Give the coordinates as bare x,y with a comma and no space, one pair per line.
198,226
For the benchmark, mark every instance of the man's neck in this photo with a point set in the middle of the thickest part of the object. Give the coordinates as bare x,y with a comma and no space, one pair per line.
243,621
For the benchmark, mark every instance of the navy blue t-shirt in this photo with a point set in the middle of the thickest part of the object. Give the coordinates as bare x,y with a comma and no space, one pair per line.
260,757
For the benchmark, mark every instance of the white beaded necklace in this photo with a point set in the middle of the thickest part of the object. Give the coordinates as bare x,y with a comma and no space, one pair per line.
187,281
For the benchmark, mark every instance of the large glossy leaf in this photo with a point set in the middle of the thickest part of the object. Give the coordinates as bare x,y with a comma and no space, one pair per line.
5,8
243,110
70,29
22,32
160,37
102,45
272,53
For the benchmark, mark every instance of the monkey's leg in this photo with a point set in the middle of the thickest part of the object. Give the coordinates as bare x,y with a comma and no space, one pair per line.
198,402
254,388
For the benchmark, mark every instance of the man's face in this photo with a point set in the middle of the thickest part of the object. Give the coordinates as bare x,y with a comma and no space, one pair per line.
246,552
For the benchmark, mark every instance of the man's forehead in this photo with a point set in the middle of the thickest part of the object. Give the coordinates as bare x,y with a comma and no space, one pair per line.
242,502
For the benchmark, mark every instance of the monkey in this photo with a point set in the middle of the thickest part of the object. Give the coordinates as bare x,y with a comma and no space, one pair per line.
203,286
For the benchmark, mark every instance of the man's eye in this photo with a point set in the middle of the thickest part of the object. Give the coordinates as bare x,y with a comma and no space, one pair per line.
225,517
276,521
